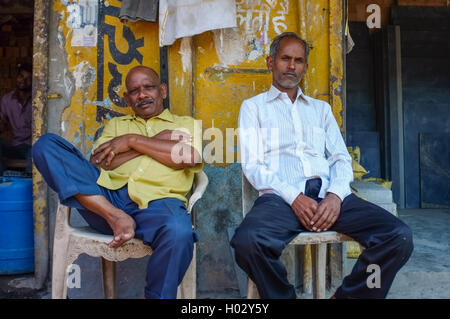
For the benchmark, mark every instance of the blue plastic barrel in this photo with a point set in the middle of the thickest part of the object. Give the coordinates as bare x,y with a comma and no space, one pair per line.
16,226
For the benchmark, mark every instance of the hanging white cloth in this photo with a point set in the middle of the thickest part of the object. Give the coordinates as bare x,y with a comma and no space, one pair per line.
184,18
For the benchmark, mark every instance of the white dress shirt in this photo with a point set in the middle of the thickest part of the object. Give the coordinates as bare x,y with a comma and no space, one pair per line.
283,144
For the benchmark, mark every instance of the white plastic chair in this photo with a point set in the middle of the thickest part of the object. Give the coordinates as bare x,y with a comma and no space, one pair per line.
70,242
318,242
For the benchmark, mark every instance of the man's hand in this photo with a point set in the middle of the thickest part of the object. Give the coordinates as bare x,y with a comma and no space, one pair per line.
304,208
327,213
116,161
170,135
108,150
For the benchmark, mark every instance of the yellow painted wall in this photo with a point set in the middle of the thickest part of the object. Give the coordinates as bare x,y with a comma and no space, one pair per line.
212,73
209,77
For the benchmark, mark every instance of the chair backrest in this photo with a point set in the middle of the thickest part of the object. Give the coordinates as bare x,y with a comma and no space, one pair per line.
249,195
198,188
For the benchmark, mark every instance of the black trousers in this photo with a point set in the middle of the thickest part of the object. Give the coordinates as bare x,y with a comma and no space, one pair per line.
271,224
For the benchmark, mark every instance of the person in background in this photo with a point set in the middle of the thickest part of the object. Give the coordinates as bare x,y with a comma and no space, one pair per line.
15,110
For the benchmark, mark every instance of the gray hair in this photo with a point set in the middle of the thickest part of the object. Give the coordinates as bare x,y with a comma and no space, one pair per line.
275,46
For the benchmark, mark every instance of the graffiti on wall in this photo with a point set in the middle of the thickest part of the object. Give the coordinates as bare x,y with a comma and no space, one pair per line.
99,50
258,18
109,57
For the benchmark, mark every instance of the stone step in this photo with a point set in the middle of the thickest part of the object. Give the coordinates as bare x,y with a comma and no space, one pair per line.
372,192
390,207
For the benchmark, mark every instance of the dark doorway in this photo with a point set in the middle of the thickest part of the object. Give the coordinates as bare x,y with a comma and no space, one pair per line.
425,55
361,122
16,54
398,109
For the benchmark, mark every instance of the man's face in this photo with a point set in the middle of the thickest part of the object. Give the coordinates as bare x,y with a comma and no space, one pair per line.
289,64
145,94
23,81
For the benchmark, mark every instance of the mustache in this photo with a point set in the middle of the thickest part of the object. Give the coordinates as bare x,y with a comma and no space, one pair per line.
145,101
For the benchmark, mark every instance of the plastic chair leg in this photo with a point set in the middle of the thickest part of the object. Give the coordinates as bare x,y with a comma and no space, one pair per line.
252,290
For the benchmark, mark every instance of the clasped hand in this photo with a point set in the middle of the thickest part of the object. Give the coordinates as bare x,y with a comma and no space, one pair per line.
315,216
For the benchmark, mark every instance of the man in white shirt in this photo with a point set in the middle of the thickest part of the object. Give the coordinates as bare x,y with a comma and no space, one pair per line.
293,153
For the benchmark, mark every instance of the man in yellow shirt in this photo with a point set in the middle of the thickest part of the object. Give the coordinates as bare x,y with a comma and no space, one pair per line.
135,183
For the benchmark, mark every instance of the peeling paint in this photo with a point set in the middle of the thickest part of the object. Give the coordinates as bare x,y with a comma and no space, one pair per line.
68,82
230,46
84,74
186,53
256,50
105,103
61,40
336,62
219,73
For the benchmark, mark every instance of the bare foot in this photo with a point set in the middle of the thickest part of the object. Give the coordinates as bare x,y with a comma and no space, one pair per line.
123,228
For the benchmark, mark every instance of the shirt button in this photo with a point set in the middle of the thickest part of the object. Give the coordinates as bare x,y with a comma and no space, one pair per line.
131,179
140,170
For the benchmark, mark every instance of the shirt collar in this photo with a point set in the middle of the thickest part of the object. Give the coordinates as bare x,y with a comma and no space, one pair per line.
164,115
274,93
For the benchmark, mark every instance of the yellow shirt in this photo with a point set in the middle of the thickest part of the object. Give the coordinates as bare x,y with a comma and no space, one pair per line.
147,178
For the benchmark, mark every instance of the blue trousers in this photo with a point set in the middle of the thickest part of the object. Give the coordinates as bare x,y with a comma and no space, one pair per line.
165,224
271,224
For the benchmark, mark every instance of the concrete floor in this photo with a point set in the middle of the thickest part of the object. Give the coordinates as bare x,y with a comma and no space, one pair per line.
427,273
425,276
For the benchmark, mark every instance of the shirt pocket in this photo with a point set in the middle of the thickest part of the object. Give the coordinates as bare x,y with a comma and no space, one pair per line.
318,139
